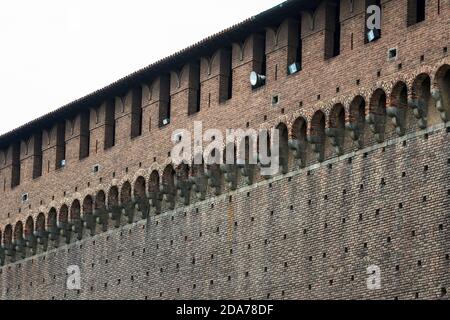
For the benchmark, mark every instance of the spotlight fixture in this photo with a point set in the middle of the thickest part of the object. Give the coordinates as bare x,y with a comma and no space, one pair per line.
257,80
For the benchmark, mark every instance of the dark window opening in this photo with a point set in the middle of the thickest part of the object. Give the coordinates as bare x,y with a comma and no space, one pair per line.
337,31
110,124
195,92
165,101
136,113
264,57
84,135
37,160
258,76
416,11
60,146
333,33
226,84
295,53
15,169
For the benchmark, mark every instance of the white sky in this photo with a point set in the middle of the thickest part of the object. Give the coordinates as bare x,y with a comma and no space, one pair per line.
55,51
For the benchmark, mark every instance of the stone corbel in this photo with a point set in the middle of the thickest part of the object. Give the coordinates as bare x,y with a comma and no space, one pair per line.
141,205
53,233
77,228
31,243
64,231
336,137
115,214
101,218
184,190
9,251
230,175
19,246
419,111
298,151
214,179
397,116
89,223
317,146
199,185
264,166
155,199
375,124
2,257
42,238
436,94
248,172
128,210
168,195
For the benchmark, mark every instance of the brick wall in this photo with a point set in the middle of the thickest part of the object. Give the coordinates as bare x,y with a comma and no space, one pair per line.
310,234
360,90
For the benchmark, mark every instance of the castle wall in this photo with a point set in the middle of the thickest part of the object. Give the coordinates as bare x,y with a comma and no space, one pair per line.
252,244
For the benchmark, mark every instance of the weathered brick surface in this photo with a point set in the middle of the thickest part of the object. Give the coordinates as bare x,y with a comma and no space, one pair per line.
153,257
384,207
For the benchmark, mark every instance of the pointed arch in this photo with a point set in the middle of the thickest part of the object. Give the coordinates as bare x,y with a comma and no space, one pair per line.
8,236
100,200
63,216
377,105
75,211
125,194
18,231
113,197
153,185
284,146
52,219
168,178
139,188
29,228
40,223
88,205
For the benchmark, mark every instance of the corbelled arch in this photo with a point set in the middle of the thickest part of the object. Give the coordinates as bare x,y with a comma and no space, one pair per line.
113,197
126,201
316,135
154,191
125,193
283,147
397,108
75,219
140,196
18,241
63,216
441,91
29,228
8,237
420,101
167,187
376,117
298,141
18,231
52,224
88,214
356,120
335,128
100,211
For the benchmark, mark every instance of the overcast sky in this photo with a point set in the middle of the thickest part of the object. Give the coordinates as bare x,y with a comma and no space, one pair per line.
53,52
